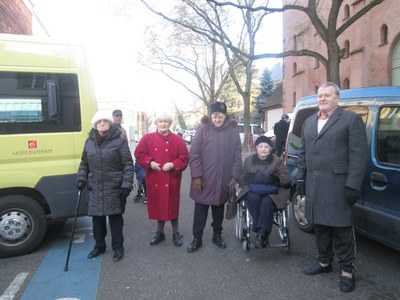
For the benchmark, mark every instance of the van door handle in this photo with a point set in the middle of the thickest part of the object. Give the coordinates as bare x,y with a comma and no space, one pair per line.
378,177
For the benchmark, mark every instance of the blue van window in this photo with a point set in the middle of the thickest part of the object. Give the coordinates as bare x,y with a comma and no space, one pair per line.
360,110
388,135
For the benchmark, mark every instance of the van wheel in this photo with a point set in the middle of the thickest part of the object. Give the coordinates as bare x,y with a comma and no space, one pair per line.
22,225
298,205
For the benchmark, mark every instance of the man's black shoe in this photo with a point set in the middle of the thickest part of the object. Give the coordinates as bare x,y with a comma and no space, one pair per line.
118,255
217,239
177,239
318,269
159,237
347,284
96,252
196,244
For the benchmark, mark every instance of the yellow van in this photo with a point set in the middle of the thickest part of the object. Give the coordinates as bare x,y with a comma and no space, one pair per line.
46,104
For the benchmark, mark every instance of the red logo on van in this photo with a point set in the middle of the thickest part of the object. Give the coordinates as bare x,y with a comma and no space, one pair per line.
32,144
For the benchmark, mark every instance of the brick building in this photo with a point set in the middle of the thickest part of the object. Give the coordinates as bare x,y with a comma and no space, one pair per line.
15,17
371,49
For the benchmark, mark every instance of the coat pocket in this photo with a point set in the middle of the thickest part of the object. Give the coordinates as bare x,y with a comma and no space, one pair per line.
115,180
341,169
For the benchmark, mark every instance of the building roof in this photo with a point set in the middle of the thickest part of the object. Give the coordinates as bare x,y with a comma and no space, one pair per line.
275,98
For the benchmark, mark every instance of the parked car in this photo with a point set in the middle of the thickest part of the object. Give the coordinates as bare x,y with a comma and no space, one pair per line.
255,131
377,212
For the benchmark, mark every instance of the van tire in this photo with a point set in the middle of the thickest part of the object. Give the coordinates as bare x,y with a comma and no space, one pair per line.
298,203
22,219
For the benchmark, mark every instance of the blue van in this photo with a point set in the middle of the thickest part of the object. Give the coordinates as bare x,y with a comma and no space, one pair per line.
377,212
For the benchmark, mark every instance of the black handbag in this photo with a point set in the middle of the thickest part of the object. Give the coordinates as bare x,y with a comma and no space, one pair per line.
230,212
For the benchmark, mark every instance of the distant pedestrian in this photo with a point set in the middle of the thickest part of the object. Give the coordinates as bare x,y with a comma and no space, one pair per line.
117,117
281,130
164,155
215,166
331,168
107,170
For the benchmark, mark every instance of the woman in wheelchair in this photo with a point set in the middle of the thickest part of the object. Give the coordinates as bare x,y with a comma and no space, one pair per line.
264,180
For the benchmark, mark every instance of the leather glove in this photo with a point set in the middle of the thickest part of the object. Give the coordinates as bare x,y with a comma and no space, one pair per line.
352,195
81,184
301,187
232,182
125,193
275,179
197,184
261,177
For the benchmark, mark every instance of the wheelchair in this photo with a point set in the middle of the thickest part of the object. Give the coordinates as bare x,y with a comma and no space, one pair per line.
244,227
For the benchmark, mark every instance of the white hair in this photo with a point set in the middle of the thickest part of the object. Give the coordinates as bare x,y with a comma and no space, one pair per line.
163,117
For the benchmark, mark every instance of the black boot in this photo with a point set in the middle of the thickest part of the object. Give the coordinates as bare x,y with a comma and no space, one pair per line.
195,244
261,239
177,239
217,239
159,237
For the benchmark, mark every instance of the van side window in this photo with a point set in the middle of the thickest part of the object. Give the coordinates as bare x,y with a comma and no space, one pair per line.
388,135
360,110
39,102
301,116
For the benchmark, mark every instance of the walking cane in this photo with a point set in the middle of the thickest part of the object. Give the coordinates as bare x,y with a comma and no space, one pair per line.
73,231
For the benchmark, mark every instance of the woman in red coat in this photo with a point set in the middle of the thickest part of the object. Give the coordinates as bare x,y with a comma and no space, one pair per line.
164,155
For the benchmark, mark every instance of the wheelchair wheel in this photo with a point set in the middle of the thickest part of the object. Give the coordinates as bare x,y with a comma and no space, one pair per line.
281,219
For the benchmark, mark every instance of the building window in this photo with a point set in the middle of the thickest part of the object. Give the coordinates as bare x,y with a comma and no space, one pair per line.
316,89
346,12
294,69
295,42
316,63
346,49
346,84
384,34
294,99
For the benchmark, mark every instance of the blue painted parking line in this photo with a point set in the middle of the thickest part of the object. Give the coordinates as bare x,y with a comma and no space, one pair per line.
81,281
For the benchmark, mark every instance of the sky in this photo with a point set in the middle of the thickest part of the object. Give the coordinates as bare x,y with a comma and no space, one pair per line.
112,32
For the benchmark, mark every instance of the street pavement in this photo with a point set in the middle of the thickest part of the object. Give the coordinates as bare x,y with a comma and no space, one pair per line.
168,272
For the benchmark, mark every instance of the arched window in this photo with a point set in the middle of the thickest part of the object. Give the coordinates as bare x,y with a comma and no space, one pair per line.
346,49
384,34
294,69
316,63
294,99
295,42
346,84
316,89
346,14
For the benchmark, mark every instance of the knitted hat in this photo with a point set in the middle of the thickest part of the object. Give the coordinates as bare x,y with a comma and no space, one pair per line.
218,107
101,115
263,139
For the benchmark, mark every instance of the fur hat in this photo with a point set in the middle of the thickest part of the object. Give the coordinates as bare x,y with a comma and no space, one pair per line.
218,107
263,139
101,115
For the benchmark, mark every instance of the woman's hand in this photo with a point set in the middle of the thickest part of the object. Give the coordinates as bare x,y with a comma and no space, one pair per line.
155,166
198,184
232,182
168,167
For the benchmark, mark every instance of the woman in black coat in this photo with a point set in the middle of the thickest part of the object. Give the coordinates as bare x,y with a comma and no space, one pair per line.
107,168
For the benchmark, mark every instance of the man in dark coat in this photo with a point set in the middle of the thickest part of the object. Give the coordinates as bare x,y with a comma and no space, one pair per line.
215,166
281,130
331,167
107,170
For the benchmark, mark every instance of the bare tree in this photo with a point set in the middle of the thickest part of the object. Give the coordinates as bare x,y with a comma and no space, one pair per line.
328,30
238,45
187,53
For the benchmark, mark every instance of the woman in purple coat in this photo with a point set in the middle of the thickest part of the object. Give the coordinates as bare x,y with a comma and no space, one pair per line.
215,166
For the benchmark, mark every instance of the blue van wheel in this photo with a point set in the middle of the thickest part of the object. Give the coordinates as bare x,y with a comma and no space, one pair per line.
298,205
